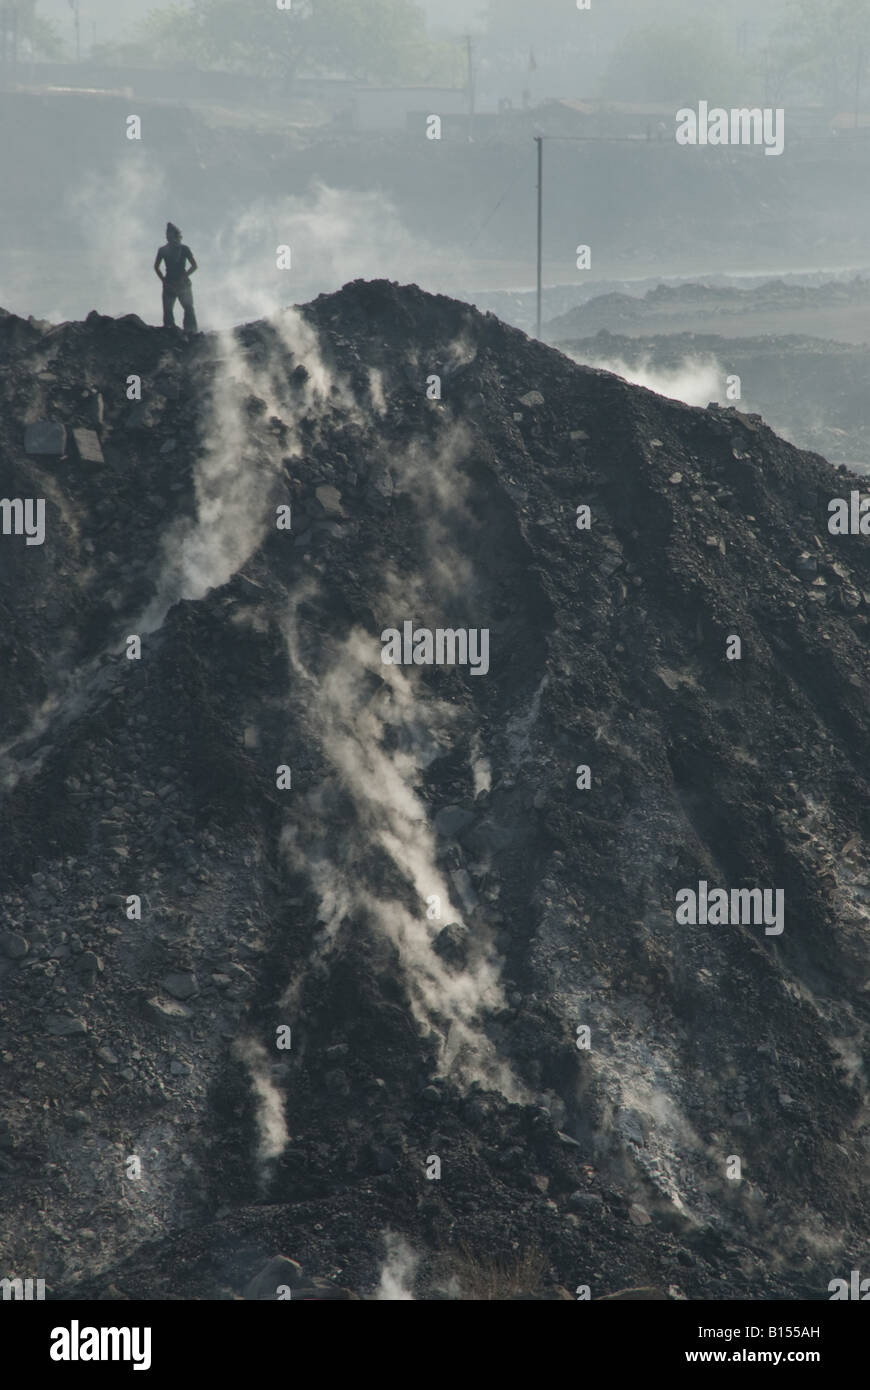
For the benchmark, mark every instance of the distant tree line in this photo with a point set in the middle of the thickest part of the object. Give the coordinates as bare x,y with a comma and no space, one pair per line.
796,49
827,47
382,41
36,35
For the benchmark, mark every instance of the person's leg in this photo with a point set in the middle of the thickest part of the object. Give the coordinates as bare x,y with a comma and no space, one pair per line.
168,307
186,298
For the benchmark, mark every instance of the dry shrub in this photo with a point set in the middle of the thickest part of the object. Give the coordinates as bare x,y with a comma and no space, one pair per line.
493,1278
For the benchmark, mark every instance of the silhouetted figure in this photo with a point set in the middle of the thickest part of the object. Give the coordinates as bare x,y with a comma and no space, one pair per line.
176,282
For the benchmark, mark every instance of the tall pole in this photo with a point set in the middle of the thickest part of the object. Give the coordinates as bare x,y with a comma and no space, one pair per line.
470,83
9,35
539,141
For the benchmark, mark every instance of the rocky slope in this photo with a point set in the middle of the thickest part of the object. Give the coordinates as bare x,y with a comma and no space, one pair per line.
836,309
432,906
813,392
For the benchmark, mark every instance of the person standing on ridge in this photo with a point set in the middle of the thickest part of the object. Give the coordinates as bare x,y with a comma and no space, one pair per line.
176,282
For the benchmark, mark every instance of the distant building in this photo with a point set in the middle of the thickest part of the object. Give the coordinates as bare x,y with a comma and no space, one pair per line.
628,119
656,121
394,108
844,122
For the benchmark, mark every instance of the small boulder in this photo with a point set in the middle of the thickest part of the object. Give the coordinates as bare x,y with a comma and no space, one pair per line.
279,1273
45,437
13,946
586,1203
638,1215
330,500
60,1026
167,1010
451,944
89,964
88,446
181,984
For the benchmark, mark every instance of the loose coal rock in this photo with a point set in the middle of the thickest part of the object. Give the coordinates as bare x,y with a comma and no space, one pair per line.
355,950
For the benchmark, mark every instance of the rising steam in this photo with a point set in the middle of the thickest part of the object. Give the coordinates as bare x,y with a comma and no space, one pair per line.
397,1273
697,380
271,1125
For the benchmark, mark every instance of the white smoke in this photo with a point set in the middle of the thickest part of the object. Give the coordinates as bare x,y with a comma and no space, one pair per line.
697,380
398,1271
380,780
379,727
239,463
334,235
481,768
271,1124
439,488
357,733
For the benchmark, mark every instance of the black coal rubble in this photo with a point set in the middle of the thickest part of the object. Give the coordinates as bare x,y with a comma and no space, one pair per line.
121,1035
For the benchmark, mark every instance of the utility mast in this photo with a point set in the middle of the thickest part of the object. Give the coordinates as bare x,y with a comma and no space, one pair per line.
8,36
469,83
539,141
